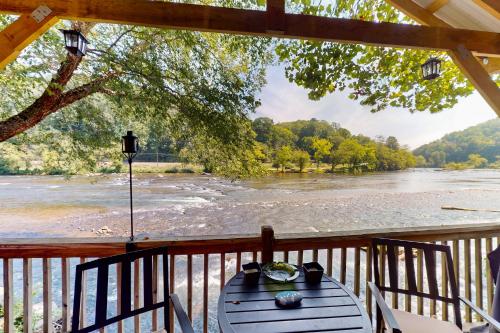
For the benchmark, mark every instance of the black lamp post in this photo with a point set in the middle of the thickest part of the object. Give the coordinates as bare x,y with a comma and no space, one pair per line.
130,147
431,69
75,42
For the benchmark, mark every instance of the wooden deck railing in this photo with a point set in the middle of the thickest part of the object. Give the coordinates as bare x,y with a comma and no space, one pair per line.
43,269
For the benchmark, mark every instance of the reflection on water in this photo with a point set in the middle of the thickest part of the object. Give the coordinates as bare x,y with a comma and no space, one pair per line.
192,204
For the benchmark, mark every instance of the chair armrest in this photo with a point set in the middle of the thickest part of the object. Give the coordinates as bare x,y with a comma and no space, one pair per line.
181,315
389,319
492,321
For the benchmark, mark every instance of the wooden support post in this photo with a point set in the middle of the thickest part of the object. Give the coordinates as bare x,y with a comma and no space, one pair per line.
267,234
20,33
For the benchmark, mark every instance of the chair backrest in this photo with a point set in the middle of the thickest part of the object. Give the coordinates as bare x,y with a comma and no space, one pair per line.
390,250
124,262
494,260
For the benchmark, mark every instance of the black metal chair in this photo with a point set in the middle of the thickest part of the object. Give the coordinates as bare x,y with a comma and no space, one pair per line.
492,322
404,322
125,260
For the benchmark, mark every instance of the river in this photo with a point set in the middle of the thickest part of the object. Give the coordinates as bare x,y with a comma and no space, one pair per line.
169,204
173,204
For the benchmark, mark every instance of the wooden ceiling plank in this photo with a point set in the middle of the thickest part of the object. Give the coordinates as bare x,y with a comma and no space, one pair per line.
436,5
491,6
254,22
472,68
20,33
492,65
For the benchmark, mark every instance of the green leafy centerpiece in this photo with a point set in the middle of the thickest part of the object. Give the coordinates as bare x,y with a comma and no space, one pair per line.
280,271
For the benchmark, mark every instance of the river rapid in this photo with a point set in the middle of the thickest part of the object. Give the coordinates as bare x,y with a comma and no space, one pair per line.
172,204
166,205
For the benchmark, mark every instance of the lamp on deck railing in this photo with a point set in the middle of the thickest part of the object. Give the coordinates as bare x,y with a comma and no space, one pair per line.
130,147
431,69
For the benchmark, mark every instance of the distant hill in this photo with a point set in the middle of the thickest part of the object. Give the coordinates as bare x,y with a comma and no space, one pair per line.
482,139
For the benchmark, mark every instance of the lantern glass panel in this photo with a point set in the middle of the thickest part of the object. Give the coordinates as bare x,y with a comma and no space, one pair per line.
73,40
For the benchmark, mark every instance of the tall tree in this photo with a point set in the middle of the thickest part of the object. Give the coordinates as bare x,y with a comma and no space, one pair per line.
377,77
201,83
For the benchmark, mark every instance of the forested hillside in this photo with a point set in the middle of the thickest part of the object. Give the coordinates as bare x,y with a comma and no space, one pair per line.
476,146
315,141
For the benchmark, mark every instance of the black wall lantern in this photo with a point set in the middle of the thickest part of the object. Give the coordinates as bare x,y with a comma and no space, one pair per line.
130,147
431,69
75,42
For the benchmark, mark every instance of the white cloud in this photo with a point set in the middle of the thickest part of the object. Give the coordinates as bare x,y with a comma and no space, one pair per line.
285,101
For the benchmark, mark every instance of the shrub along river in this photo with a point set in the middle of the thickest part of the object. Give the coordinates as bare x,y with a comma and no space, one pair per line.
82,206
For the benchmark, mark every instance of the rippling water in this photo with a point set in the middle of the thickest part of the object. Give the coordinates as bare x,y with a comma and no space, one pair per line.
39,206
191,205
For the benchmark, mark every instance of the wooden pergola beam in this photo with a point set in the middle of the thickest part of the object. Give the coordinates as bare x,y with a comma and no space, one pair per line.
436,5
274,23
491,6
20,33
461,55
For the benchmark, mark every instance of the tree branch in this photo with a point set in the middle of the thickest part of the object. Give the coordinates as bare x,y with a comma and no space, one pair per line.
44,105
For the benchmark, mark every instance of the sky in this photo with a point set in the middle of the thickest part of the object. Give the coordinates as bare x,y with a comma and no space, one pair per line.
285,101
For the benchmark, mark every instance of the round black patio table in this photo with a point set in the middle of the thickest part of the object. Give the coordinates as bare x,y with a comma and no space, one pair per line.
327,307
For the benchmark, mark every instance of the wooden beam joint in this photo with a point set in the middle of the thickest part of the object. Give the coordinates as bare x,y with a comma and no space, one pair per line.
20,33
275,19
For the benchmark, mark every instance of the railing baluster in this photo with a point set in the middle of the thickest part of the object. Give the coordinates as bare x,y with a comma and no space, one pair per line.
478,275
489,281
65,293
154,313
171,271
456,262
343,265
467,278
238,262
393,262
315,255
444,283
137,294
83,303
407,297
222,270
430,259
190,286
368,279
420,281
357,270
119,325
205,293
329,262
27,295
47,295
8,296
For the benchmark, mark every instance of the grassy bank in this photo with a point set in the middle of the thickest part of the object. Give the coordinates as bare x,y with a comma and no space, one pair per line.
165,167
